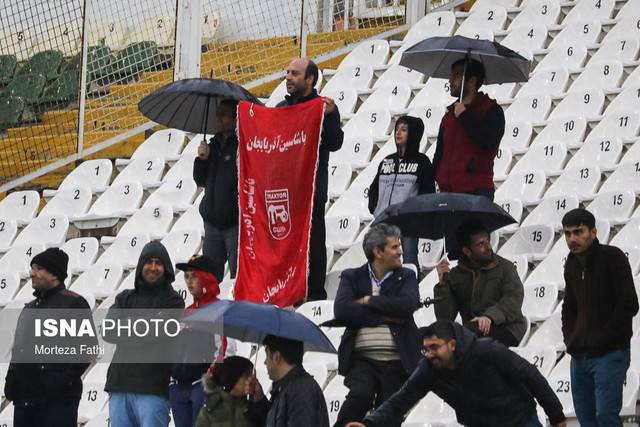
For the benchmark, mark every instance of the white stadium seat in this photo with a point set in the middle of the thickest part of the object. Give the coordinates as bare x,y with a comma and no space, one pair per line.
586,103
604,74
152,220
548,157
431,25
345,99
182,169
165,143
9,285
145,170
533,241
182,244
356,77
431,116
614,206
543,358
582,31
20,206
602,151
549,81
71,202
550,270
429,252
570,130
569,55
537,12
391,96
487,16
190,219
119,200
372,52
355,150
50,230
317,311
531,36
517,135
434,92
626,176
94,174
549,333
622,48
431,408
525,186
125,250
399,74
342,230
374,122
339,178
560,381
100,280
581,182
82,251
600,10
176,193
17,259
8,231
531,109
539,301
551,210
502,163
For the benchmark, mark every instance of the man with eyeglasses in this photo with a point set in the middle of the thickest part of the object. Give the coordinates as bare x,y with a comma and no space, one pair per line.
483,381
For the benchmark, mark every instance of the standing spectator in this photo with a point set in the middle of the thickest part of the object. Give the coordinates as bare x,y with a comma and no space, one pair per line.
302,76
139,392
216,170
186,393
469,136
379,348
599,302
484,288
296,398
483,381
46,394
401,175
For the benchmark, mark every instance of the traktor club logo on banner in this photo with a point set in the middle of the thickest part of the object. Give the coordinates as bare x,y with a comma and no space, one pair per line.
278,149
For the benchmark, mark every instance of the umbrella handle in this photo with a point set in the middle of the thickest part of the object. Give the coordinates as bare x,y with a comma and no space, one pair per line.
464,76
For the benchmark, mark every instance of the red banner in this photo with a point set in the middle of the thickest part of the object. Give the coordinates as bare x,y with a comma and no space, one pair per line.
278,149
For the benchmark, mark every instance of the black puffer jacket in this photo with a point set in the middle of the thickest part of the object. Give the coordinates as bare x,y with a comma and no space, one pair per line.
33,383
331,139
297,400
144,378
490,386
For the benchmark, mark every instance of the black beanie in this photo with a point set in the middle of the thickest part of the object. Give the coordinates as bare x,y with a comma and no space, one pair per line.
227,374
54,261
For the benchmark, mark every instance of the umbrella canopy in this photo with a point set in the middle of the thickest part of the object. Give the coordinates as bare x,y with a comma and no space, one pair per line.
433,216
435,56
251,322
188,104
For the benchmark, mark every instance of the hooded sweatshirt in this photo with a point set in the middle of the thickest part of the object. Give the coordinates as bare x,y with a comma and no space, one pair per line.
489,386
402,176
144,378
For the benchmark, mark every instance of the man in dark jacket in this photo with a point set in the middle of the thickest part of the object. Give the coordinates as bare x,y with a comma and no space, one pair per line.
401,175
139,392
483,381
600,301
296,398
379,348
302,76
469,136
44,393
484,288
216,170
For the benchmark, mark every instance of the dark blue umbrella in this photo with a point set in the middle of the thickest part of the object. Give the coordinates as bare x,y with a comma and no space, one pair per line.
188,104
250,322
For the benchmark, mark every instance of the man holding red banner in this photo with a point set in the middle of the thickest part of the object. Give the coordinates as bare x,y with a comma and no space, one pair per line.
302,75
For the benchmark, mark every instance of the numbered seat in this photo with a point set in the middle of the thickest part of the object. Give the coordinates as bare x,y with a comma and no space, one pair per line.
549,81
623,48
524,186
548,157
602,151
604,74
627,25
357,77
580,182
614,206
182,244
82,251
71,202
551,210
628,100
153,220
477,33
514,208
339,178
100,279
550,270
190,219
569,55
537,12
532,109
351,258
531,36
342,230
570,130
586,103
165,143
119,200
18,258
582,31
182,169
543,358
177,194
549,333
434,92
431,116
517,136
599,10
438,23
94,174
429,252
335,394
345,98
125,250
539,301
8,231
355,150
623,124
560,381
50,230
632,154
328,360
145,170
626,176
533,241
392,96
355,200
317,311
488,16
9,285
375,123
399,74
180,286
432,408
20,206
373,52
502,163
521,264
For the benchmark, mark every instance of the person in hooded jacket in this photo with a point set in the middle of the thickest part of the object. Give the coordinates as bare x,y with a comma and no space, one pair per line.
401,175
139,392
487,384
186,393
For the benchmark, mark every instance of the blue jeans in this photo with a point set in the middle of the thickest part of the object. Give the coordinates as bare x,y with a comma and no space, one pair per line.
221,245
597,388
138,410
186,402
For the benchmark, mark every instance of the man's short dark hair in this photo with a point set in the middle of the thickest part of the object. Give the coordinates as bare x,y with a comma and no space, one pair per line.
376,237
312,70
442,329
577,217
474,69
231,103
468,229
290,350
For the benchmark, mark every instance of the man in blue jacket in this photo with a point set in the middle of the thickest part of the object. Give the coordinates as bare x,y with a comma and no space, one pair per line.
379,348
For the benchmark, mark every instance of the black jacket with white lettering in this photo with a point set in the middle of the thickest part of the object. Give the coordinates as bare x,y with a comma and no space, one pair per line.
30,384
400,177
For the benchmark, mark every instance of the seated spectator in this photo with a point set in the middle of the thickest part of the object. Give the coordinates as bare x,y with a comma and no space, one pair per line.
227,387
484,289
401,175
379,348
296,398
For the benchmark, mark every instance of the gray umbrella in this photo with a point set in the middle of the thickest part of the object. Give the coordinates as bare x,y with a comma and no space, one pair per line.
435,56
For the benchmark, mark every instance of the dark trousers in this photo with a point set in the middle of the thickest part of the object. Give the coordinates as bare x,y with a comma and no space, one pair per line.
317,255
486,192
370,383
221,245
186,401
498,333
53,413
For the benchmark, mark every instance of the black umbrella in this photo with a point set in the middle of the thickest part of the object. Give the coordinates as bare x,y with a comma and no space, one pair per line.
188,104
435,56
438,215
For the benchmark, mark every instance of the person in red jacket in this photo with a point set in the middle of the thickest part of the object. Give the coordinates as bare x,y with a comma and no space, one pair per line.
469,136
